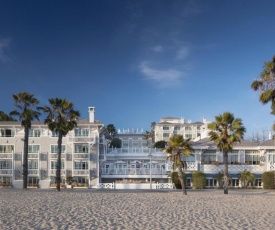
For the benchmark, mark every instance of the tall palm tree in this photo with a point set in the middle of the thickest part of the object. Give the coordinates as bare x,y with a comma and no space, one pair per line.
6,117
178,148
61,118
225,132
26,113
265,84
111,129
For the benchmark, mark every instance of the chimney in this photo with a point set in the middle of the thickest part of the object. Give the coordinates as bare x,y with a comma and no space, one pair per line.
91,111
269,135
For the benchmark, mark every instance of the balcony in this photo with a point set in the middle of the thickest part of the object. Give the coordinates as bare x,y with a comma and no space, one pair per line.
33,155
53,172
191,166
133,171
133,150
33,172
5,155
79,172
6,172
54,155
231,168
80,155
81,139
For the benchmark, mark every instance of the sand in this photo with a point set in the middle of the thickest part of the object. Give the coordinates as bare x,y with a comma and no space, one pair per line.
118,209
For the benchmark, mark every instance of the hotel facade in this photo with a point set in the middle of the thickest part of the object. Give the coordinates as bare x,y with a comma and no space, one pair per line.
87,158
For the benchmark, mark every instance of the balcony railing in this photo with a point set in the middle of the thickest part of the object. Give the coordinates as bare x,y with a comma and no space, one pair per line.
133,171
190,166
81,139
78,172
5,171
133,150
53,172
239,168
80,155
54,155
33,155
32,171
270,166
6,155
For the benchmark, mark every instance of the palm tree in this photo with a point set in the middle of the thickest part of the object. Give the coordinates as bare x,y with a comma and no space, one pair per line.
6,117
61,118
178,148
265,84
111,129
26,113
225,132
246,177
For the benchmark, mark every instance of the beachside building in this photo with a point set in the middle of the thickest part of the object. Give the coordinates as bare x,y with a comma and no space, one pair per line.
81,150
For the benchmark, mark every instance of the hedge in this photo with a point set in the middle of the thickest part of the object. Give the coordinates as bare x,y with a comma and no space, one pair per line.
268,180
175,179
198,180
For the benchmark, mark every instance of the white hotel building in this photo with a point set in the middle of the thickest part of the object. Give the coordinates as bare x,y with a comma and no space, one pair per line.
87,158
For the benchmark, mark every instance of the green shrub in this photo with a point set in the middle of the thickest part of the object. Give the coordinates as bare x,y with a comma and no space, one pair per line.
268,180
175,179
198,180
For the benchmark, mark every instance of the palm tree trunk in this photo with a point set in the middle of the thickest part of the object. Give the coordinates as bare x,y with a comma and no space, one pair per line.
182,181
58,166
25,158
226,179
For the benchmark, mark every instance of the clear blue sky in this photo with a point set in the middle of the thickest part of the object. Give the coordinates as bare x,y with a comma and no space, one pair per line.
139,61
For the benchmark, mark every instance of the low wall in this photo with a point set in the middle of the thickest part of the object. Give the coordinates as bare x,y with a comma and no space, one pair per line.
135,186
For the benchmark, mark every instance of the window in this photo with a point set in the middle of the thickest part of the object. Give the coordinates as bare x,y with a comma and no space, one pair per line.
7,133
165,135
188,136
81,148
81,132
34,133
198,128
32,165
188,128
33,149
81,165
258,183
55,133
232,159
177,128
235,183
211,182
252,159
189,158
208,158
54,165
6,148
165,128
54,149
271,158
5,165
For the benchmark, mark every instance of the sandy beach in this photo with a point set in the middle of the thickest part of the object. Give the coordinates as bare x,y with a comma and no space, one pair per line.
117,209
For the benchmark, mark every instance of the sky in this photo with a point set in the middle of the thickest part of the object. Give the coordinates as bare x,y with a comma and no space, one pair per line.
139,61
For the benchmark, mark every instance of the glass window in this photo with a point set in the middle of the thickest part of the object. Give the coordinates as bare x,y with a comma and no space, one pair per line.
6,148
166,135
81,165
81,132
54,148
165,127
252,159
188,128
81,148
232,159
208,158
33,148
271,158
188,136
7,133
34,133
32,165
55,133
54,164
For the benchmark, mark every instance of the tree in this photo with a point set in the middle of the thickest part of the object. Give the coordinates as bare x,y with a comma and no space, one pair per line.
160,144
246,177
26,113
116,143
176,150
61,118
111,129
225,132
265,84
6,117
151,134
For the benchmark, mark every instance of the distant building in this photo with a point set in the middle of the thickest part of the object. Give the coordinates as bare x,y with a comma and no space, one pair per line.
178,126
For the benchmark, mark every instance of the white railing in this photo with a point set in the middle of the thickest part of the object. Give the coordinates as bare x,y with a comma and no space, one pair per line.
6,155
5,171
77,172
133,171
270,166
80,155
133,150
33,171
54,155
135,186
82,139
216,168
33,155
190,166
53,172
